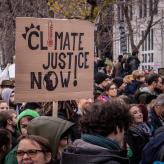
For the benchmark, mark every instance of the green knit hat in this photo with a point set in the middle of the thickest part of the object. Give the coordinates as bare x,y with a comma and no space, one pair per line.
25,113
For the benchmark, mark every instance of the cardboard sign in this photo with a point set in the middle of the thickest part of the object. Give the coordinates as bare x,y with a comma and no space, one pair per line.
54,59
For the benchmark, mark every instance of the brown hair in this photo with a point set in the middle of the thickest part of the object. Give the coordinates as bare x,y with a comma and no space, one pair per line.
43,142
104,118
143,110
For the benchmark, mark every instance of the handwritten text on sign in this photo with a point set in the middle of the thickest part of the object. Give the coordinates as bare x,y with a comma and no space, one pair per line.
60,57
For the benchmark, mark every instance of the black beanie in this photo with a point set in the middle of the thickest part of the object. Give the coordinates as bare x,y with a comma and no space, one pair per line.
100,77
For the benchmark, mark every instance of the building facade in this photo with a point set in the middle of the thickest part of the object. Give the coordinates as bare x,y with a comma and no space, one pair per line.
151,52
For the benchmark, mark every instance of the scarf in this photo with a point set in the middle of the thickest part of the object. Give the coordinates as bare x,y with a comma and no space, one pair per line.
101,141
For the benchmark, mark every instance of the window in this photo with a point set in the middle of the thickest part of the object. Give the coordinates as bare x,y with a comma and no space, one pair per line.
142,8
145,8
143,47
130,8
153,5
151,40
152,57
120,13
143,58
148,42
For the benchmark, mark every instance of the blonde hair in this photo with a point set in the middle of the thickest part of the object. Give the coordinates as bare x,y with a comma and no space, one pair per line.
137,74
128,78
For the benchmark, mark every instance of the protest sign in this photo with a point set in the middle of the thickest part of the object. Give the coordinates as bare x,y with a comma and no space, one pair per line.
54,59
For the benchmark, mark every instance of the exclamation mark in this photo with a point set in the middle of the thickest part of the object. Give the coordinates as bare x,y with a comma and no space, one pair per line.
50,30
75,72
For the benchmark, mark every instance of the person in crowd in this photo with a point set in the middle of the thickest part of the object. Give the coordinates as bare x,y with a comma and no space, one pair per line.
8,95
83,104
3,105
118,81
118,69
101,80
110,93
33,149
24,118
103,127
22,122
132,62
111,90
108,67
6,84
128,79
8,122
56,130
5,143
125,98
138,80
138,134
33,106
146,94
156,114
153,152
160,86
68,110
98,64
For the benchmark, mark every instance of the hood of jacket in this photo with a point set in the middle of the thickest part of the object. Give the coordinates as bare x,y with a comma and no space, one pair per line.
6,92
82,152
50,128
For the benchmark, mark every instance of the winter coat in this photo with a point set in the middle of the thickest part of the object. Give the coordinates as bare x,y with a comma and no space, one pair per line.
154,150
132,64
82,152
137,136
132,87
154,120
144,96
11,157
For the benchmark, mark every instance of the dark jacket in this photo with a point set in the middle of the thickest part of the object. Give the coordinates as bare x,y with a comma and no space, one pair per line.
132,87
132,64
154,150
154,120
82,152
137,136
144,96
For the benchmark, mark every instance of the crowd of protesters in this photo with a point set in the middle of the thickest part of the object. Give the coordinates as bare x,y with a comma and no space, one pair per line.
122,124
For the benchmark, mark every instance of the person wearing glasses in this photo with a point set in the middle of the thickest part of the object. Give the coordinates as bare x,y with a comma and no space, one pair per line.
33,149
56,130
110,93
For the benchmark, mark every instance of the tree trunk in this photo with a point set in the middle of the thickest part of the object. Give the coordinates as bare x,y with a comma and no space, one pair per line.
9,10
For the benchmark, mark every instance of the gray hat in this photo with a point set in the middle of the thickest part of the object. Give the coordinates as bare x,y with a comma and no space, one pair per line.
160,100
